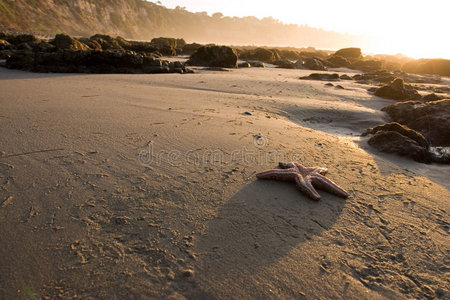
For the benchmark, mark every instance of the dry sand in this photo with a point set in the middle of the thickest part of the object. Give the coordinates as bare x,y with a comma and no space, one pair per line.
142,186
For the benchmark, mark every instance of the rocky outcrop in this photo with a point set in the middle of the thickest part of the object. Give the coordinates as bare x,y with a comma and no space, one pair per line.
428,66
91,61
398,90
214,56
432,119
395,142
403,130
99,54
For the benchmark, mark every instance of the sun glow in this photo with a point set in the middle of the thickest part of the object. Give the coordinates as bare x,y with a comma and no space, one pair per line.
414,28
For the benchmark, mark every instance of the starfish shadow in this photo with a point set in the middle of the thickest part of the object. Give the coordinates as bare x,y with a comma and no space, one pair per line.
254,229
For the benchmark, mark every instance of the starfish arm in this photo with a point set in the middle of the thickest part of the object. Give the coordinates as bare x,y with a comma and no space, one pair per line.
328,185
278,174
305,186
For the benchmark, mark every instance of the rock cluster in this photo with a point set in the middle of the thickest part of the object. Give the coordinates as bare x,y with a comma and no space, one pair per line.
97,54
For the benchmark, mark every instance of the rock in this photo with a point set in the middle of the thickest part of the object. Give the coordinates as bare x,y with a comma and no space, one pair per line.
428,66
432,97
382,76
322,76
21,60
340,87
257,64
91,61
403,130
289,54
339,61
313,64
44,46
106,42
188,49
345,77
214,56
65,42
398,90
260,54
93,44
394,142
24,47
22,38
329,84
285,64
367,65
349,53
141,47
5,45
432,119
244,65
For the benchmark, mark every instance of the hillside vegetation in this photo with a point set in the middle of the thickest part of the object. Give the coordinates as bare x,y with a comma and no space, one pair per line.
138,19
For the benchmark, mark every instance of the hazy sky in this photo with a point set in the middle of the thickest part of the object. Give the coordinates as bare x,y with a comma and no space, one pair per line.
416,28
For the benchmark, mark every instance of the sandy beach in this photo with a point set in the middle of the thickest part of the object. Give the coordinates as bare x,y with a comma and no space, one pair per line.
144,187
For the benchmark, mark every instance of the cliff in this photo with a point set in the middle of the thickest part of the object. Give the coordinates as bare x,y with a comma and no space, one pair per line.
138,19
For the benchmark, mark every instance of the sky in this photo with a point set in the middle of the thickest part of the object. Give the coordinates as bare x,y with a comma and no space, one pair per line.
415,28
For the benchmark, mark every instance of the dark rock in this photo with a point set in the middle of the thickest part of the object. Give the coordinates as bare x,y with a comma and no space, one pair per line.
322,76
340,87
394,142
22,60
91,61
260,54
289,54
24,47
367,65
44,46
93,44
106,42
22,38
257,64
214,56
65,42
428,66
188,49
244,65
5,45
345,77
247,113
432,97
432,119
339,61
349,53
329,84
141,47
314,64
398,90
285,64
382,76
403,130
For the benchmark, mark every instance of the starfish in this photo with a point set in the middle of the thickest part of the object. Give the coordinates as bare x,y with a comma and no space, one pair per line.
305,178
